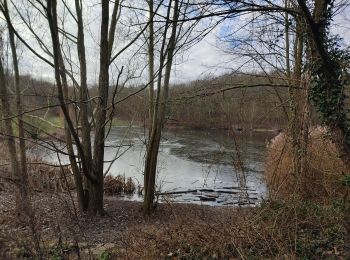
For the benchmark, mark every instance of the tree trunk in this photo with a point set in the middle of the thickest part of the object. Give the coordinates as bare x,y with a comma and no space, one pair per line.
328,91
83,103
22,143
159,115
151,63
18,178
295,96
151,82
96,203
62,88
18,166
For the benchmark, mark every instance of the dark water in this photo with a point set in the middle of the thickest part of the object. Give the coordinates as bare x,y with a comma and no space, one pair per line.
219,168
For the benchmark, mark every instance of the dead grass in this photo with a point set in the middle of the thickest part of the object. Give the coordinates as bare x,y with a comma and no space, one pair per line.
321,181
179,231
270,232
284,230
43,177
118,184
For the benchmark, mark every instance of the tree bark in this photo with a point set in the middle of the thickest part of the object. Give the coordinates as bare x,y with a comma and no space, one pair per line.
328,94
96,202
295,96
151,63
159,115
151,81
18,178
83,103
22,144
18,165
62,89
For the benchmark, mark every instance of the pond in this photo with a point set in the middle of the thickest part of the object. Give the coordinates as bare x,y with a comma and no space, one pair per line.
194,166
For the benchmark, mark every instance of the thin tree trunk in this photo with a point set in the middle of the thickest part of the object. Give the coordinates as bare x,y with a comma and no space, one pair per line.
78,180
18,165
151,81
151,63
296,95
159,116
96,200
62,87
22,144
19,169
69,142
152,148
286,29
21,198
83,96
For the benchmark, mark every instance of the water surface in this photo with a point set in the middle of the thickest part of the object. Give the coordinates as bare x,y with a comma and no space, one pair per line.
219,168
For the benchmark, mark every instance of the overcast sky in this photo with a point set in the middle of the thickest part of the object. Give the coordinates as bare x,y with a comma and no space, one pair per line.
205,58
209,57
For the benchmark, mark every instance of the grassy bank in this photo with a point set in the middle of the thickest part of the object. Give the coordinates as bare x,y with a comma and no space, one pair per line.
42,127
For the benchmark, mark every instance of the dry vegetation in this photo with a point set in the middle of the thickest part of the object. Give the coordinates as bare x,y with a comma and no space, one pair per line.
323,178
50,215
43,177
289,229
272,231
284,228
176,231
118,185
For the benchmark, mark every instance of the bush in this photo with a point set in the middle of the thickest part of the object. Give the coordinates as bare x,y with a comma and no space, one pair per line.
118,184
277,230
322,179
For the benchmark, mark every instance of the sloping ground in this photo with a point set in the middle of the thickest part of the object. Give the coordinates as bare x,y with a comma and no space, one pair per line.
175,231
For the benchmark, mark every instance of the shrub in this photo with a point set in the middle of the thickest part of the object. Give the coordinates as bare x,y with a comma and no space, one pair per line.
118,184
322,178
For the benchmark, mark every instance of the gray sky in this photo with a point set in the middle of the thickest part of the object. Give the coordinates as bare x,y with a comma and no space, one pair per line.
207,58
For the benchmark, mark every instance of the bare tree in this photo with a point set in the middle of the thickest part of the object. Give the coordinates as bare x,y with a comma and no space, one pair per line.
92,162
18,162
166,59
151,60
11,142
21,130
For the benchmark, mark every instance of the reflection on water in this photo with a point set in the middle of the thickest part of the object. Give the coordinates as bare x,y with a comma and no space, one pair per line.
191,160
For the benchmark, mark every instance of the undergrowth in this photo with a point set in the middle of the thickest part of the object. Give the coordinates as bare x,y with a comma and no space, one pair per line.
303,230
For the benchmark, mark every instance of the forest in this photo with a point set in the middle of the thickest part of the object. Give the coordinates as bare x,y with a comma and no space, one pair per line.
174,129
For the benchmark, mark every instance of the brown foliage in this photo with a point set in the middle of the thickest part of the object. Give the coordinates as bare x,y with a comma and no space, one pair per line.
178,231
41,176
118,184
224,233
322,179
49,178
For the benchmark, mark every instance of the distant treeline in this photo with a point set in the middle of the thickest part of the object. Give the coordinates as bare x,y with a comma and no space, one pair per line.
228,101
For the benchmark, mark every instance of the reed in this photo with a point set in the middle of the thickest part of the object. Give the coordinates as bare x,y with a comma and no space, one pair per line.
322,179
